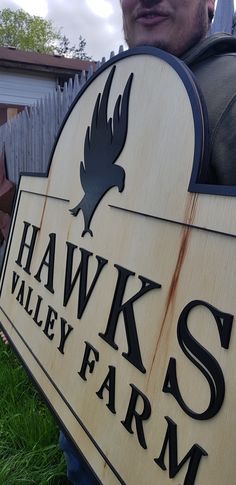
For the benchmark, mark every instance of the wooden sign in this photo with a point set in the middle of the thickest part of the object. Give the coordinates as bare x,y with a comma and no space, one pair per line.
118,284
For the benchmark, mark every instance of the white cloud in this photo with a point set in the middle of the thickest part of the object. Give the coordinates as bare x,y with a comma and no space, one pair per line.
33,8
101,8
102,34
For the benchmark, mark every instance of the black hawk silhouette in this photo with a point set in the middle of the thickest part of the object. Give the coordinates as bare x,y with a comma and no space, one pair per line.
103,144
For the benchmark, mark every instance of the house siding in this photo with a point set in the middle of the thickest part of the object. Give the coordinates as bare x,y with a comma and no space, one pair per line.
25,89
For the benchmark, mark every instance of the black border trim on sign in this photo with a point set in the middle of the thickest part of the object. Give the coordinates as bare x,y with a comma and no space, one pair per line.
200,151
171,221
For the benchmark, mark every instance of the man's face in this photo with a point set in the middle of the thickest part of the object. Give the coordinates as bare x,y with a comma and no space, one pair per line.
172,25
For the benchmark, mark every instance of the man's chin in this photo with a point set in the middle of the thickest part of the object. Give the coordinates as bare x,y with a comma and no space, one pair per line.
153,42
148,38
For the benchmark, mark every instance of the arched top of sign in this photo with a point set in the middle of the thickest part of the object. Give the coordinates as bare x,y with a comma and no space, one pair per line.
199,173
199,111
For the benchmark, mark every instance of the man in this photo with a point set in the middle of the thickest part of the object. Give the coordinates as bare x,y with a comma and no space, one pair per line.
180,27
172,25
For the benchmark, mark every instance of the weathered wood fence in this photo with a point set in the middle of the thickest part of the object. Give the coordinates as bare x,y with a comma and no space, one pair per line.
29,137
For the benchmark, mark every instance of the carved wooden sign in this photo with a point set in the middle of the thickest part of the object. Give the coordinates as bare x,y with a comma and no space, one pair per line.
118,283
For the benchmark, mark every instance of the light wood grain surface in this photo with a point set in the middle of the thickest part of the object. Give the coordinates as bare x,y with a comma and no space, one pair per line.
189,263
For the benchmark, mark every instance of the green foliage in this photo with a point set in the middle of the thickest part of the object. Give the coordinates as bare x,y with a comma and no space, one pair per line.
29,451
28,32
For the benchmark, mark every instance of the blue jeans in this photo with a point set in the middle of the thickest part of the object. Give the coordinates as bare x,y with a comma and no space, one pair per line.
77,469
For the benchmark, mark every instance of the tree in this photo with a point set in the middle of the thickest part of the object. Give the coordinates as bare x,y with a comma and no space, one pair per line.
65,49
28,32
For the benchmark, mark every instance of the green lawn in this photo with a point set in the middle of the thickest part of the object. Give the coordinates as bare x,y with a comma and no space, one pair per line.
29,451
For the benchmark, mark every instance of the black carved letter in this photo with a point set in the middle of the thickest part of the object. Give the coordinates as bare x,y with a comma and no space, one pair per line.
88,363
202,359
30,246
139,418
109,385
15,279
82,270
50,321
48,261
194,455
126,308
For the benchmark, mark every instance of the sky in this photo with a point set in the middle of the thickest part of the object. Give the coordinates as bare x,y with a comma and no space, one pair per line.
98,21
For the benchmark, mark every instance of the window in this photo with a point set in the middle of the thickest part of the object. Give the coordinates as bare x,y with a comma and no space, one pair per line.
9,111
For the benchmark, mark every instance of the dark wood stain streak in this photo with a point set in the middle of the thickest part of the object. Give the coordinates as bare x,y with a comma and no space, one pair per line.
44,204
43,212
171,297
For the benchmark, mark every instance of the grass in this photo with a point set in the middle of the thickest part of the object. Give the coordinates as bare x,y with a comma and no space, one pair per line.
29,451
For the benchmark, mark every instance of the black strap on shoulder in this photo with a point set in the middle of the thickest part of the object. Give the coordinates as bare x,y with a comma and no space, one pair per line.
215,44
